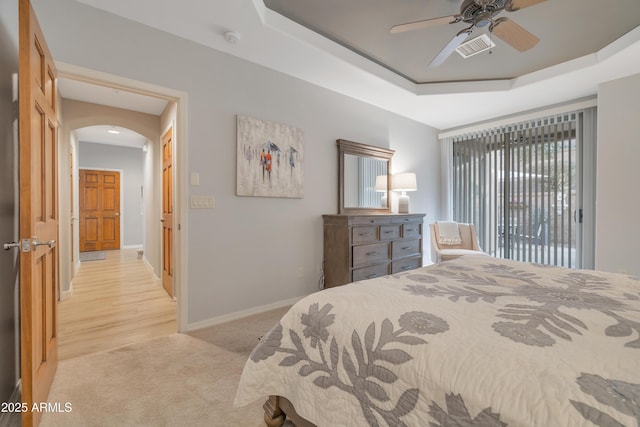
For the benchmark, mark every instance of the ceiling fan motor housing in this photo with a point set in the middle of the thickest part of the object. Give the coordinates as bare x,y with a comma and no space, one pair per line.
480,12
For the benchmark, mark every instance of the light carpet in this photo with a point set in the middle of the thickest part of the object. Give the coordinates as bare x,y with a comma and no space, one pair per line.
177,380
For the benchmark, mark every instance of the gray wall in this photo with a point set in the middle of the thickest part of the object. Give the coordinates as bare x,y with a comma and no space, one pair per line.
130,162
246,252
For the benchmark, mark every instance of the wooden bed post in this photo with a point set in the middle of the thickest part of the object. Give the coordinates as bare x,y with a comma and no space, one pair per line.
273,415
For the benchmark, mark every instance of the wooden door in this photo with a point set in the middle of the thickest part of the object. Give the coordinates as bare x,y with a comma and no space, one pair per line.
71,211
38,214
167,212
99,210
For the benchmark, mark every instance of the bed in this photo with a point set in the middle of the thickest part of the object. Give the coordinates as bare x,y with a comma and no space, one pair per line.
471,341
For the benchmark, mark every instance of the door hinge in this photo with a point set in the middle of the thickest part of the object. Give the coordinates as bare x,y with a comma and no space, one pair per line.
577,216
26,245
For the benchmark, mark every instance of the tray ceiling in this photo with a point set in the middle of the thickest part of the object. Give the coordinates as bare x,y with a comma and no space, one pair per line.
567,29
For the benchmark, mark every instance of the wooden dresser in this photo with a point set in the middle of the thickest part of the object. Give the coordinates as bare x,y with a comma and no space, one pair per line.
358,247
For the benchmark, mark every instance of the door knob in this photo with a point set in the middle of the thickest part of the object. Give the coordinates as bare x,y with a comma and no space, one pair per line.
8,246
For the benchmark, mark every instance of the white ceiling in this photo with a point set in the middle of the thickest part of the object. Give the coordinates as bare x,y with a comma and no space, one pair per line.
104,135
112,97
268,38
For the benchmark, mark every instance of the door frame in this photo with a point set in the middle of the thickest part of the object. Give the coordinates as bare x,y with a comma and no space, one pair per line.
180,195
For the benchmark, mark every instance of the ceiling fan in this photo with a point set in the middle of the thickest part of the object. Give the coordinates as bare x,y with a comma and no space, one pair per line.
479,13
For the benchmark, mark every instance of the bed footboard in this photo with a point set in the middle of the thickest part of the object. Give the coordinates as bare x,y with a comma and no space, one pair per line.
273,415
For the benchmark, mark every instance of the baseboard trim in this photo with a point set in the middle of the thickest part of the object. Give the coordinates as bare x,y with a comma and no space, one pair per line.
147,264
67,294
131,247
240,314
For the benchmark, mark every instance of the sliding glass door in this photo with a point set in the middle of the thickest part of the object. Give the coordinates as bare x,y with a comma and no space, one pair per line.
520,186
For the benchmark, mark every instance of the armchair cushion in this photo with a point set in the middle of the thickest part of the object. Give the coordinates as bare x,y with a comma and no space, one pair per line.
447,254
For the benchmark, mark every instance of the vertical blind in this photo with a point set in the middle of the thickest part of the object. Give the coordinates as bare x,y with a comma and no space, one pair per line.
369,169
517,183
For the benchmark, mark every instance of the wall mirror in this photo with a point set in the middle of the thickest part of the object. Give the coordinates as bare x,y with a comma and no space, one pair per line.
365,178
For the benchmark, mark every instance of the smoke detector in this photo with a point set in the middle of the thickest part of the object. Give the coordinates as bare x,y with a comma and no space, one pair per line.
232,37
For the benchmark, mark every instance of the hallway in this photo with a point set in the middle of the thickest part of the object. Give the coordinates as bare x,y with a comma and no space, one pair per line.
115,302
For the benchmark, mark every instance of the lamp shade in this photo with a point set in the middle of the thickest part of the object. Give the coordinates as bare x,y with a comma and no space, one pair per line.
405,182
381,183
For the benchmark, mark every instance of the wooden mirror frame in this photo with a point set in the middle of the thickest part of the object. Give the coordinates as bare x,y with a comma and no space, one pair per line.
361,150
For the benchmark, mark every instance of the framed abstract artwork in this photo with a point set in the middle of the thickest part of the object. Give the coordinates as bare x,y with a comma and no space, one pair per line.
270,158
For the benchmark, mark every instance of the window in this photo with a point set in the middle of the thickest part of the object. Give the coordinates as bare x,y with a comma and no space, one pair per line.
520,185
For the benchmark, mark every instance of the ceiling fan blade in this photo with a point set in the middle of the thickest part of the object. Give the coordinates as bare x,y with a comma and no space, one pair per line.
410,26
450,47
513,34
514,5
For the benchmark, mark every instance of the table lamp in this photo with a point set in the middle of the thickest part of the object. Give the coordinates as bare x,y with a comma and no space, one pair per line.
404,182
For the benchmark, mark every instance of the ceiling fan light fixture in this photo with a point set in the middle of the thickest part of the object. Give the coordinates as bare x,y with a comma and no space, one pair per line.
475,46
482,19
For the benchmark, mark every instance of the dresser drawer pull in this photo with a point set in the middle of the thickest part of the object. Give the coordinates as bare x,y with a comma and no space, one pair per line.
371,276
366,234
372,253
406,248
406,219
389,232
411,229
406,267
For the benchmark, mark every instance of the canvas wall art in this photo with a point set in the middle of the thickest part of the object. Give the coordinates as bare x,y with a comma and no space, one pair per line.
269,160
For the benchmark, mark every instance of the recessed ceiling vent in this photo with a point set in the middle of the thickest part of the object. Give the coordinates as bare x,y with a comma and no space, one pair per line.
475,45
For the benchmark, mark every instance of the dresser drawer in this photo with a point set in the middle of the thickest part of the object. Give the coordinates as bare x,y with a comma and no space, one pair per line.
389,232
370,272
367,254
367,234
405,219
370,220
404,248
412,229
406,264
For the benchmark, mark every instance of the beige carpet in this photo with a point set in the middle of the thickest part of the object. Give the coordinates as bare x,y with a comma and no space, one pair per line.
177,380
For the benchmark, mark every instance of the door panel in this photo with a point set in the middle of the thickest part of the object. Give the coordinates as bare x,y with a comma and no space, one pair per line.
99,210
9,320
38,213
167,212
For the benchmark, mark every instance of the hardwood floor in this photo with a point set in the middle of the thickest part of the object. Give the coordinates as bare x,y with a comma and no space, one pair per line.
116,301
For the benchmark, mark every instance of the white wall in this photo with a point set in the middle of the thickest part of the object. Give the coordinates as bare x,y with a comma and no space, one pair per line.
246,252
618,176
130,162
424,160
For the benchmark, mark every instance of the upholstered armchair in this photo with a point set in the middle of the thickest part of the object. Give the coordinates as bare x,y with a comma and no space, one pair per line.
451,240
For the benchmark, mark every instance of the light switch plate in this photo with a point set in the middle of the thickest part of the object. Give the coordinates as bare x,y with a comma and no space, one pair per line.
202,202
195,178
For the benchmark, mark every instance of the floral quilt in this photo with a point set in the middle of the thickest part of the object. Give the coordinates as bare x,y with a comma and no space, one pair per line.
475,341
